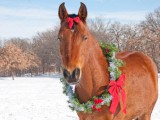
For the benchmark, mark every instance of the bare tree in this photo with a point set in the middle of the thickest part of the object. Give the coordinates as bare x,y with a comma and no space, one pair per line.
99,28
148,40
23,44
152,23
45,45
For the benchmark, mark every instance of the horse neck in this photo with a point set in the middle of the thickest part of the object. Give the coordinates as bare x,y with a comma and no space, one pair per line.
95,76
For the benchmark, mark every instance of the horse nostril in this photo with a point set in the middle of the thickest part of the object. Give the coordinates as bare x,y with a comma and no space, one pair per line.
66,74
76,73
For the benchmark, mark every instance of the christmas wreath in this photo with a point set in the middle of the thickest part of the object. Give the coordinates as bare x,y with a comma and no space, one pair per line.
111,95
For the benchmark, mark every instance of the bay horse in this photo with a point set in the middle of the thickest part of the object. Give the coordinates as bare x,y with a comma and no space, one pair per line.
86,67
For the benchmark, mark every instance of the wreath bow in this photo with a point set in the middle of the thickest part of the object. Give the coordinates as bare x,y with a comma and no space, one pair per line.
114,90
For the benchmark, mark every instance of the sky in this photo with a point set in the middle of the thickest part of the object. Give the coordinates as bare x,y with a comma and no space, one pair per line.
24,18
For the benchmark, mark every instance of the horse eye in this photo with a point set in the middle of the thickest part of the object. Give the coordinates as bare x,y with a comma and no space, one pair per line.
85,37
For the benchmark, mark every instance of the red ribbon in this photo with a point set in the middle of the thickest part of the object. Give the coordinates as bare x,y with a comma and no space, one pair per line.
96,102
107,50
70,21
114,90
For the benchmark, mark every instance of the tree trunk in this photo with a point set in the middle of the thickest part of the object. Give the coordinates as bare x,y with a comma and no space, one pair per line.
118,44
12,75
31,72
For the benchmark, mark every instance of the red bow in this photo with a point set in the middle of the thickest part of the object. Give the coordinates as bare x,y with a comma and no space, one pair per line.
107,50
115,88
72,20
97,102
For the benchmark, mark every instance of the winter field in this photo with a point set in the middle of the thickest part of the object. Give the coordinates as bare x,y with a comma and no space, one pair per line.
39,98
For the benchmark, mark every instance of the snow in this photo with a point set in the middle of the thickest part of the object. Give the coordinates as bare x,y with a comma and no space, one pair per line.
39,98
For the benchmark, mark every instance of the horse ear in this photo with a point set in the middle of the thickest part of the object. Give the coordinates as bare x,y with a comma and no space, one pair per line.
62,12
82,12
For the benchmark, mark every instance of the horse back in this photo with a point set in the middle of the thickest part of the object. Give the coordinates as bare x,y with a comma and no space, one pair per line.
140,62
141,84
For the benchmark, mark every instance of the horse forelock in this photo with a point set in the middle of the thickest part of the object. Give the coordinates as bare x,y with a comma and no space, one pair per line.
72,15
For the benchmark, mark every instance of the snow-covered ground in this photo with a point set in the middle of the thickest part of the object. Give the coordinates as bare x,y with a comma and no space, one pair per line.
39,98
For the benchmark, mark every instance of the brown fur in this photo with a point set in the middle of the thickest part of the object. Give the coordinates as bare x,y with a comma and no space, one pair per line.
141,73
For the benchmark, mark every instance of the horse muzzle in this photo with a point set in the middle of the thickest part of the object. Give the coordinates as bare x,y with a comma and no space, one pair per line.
72,78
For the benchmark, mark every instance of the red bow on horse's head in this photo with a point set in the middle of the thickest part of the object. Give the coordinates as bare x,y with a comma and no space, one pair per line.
71,20
82,14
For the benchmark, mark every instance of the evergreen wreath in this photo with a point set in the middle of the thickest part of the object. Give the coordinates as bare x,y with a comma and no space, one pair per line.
96,103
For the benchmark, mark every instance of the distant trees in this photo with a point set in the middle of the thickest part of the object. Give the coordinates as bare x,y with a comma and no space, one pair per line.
32,62
13,59
149,38
0,43
99,28
24,44
46,46
41,53
144,37
116,32
152,23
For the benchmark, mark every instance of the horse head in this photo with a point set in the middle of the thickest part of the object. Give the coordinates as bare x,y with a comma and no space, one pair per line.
73,36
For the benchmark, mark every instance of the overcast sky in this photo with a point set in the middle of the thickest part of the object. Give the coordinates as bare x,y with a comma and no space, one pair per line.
24,18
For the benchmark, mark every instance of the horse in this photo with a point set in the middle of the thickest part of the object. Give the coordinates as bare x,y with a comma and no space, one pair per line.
85,66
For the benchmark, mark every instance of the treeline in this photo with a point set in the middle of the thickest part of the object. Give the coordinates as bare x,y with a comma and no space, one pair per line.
144,37
41,53
30,56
